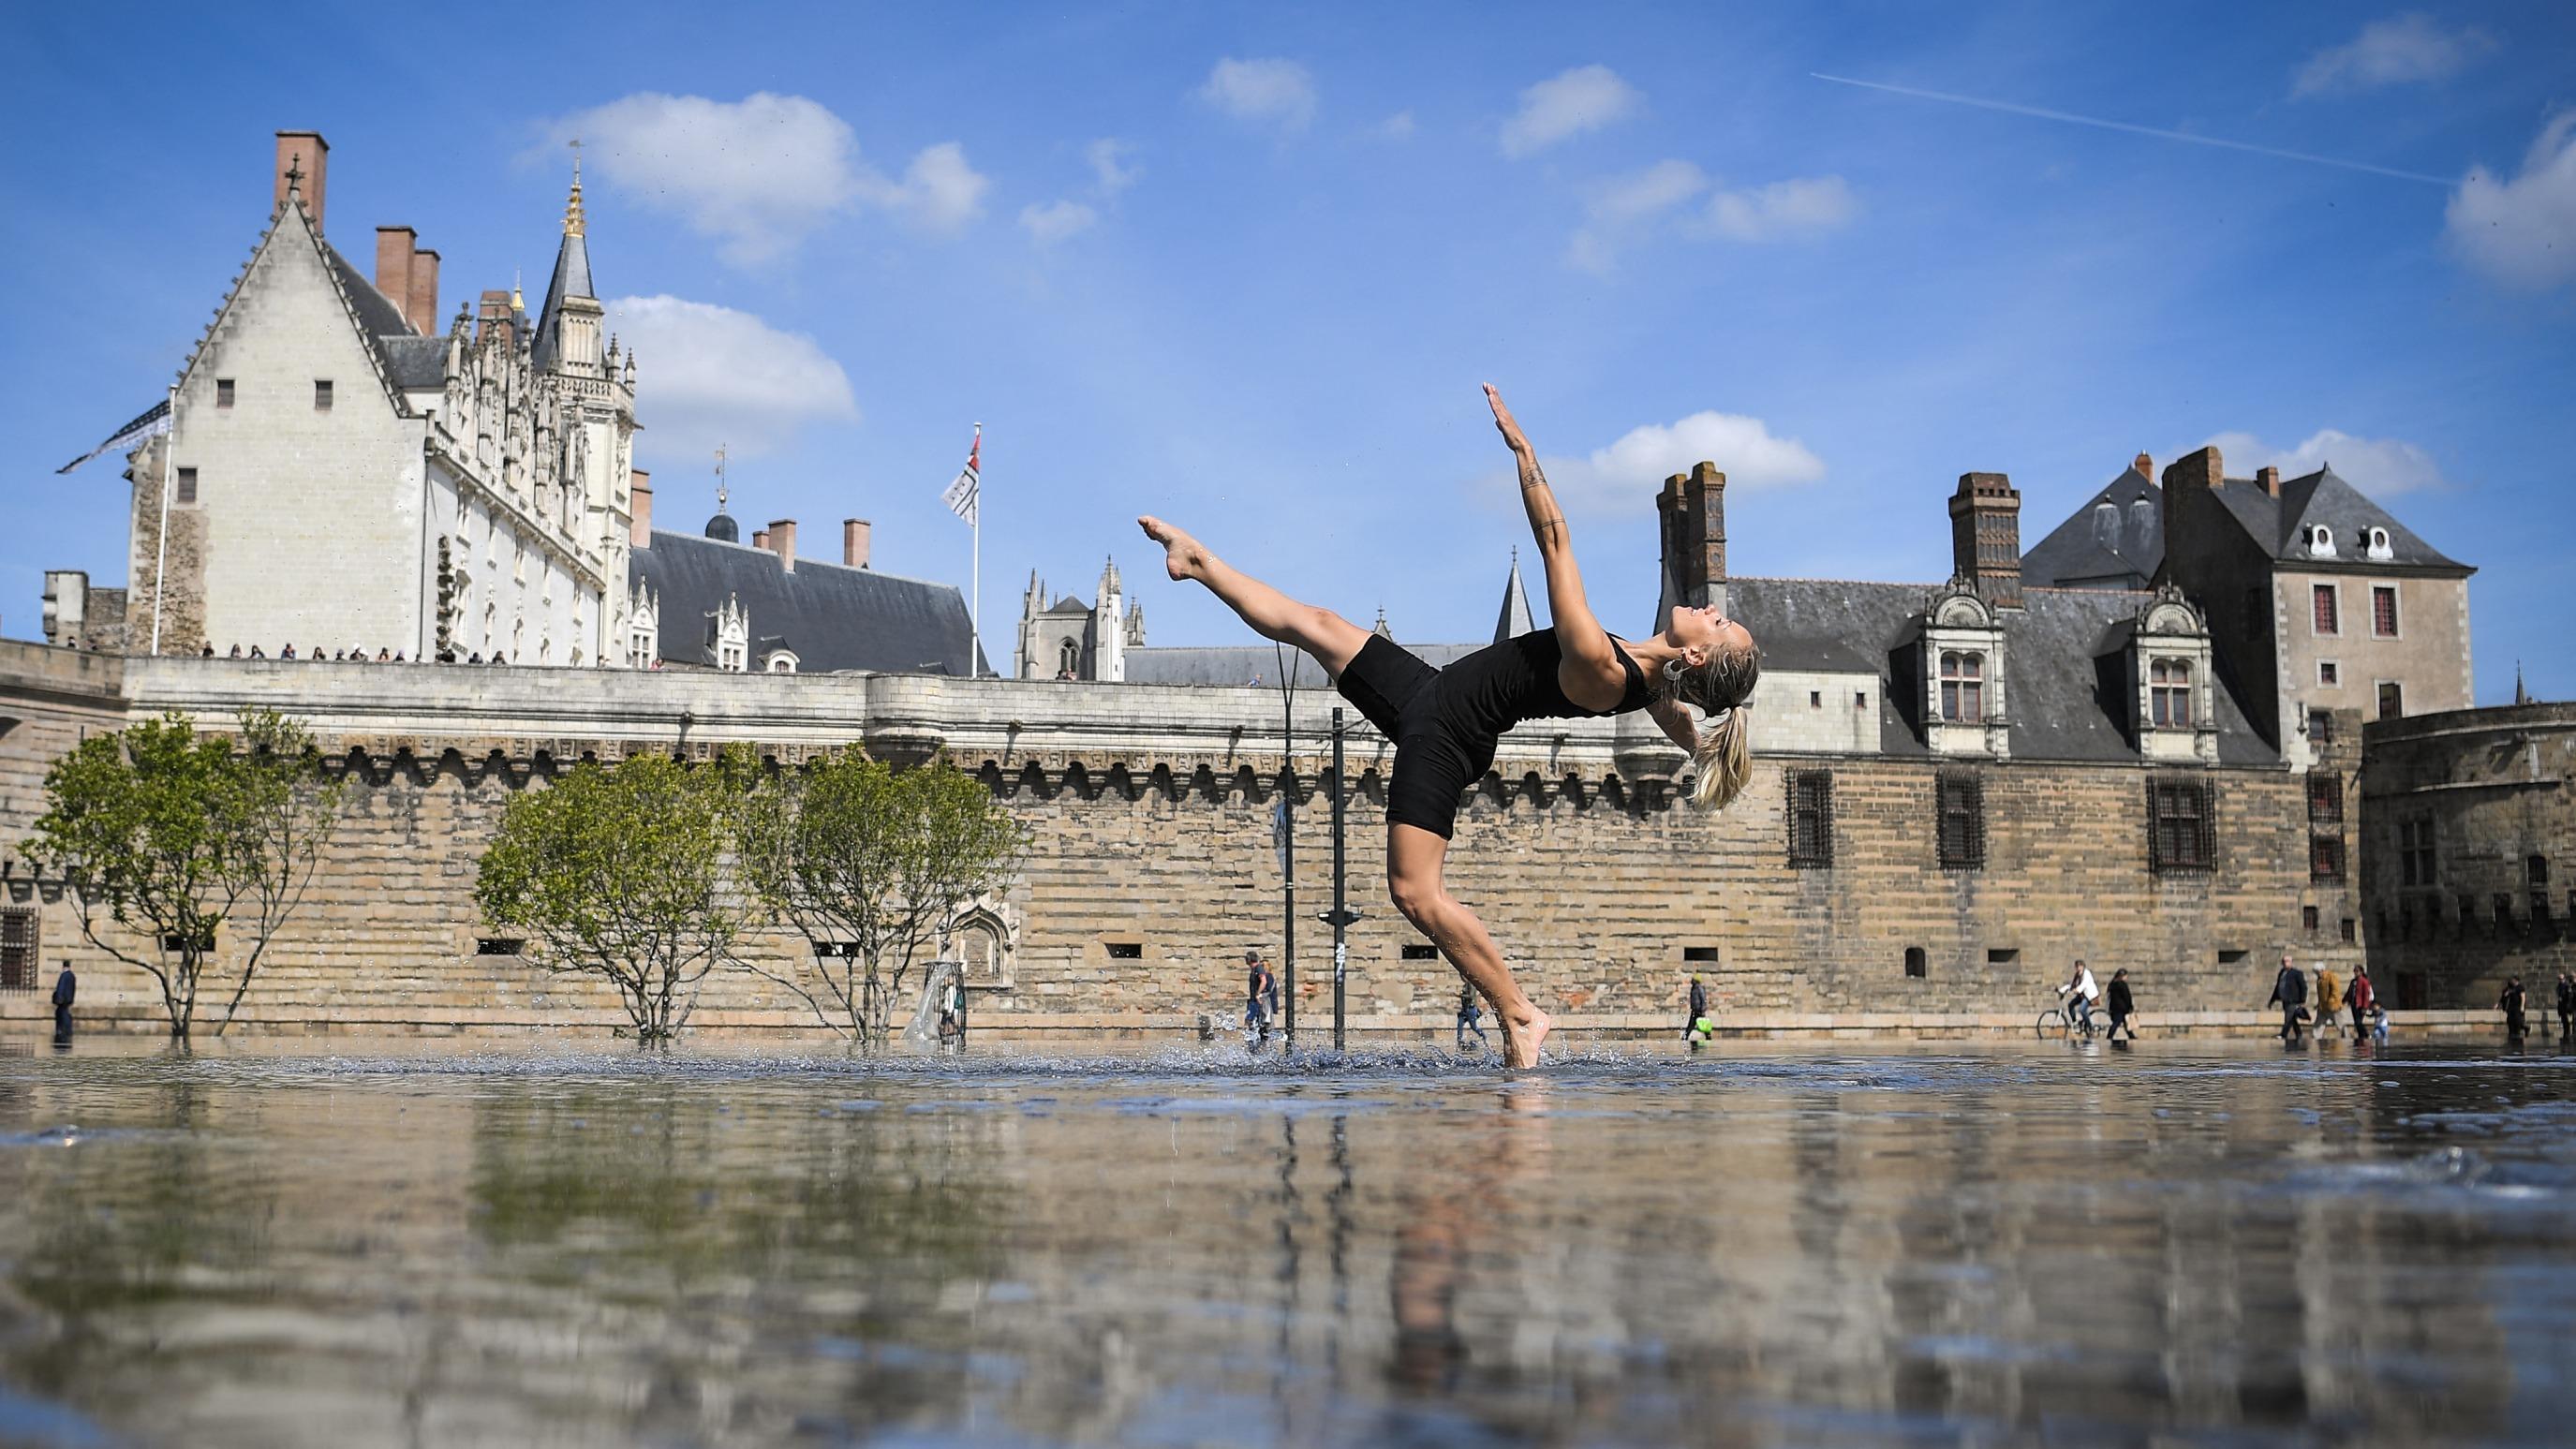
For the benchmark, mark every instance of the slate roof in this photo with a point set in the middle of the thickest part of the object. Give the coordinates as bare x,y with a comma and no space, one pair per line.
571,279
2278,525
833,617
1237,664
415,363
2063,693
2093,549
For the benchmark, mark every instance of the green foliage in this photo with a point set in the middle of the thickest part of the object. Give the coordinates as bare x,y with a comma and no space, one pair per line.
877,864
170,836
622,873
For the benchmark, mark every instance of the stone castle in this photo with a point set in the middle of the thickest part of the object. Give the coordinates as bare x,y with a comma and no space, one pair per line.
2140,742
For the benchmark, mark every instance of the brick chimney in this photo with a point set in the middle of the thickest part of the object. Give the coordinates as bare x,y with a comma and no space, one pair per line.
781,538
639,491
2203,469
2145,466
1985,537
854,543
1692,509
395,247
760,538
307,153
420,304
492,316
2270,478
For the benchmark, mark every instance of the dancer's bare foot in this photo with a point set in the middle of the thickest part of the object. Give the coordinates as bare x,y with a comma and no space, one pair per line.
1523,1037
1183,556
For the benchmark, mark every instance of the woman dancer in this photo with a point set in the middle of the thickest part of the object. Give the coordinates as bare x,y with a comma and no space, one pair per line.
1445,722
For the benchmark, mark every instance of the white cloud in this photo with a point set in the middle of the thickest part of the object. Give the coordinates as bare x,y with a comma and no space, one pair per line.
762,173
2392,52
1057,220
707,374
1585,98
1398,127
2380,467
1113,173
1265,92
1618,207
2522,232
1623,477
1801,206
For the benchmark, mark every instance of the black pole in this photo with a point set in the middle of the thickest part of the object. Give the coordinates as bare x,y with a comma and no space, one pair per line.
1341,918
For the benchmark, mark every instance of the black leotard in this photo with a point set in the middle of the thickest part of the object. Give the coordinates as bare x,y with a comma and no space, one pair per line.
1445,721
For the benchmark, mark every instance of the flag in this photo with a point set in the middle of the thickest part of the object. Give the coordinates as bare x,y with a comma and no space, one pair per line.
151,425
964,495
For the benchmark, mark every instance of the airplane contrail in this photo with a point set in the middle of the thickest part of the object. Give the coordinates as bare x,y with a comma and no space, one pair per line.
2095,121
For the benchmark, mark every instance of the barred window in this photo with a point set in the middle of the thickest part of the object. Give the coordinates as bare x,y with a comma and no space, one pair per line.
1811,817
2535,871
223,392
2325,799
2326,614
1963,687
2308,917
1962,816
187,489
2169,693
2383,611
2349,925
18,945
2325,858
2415,864
2181,833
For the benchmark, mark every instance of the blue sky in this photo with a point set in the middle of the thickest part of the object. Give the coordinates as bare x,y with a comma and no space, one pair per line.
1245,266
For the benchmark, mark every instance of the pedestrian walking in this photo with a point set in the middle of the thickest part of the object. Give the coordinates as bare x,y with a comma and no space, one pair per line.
2566,1006
2511,1000
2290,993
2364,1000
66,988
1698,1008
2122,1006
2329,997
1261,996
1470,1012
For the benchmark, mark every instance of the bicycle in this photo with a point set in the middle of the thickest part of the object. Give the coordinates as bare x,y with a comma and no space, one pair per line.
2058,1022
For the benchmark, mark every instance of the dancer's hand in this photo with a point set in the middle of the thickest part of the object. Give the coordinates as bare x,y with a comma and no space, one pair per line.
1511,431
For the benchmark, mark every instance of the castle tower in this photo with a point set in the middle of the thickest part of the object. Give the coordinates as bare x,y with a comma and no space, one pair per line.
1109,628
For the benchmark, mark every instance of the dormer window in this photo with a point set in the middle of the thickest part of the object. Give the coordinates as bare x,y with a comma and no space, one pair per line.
2378,544
2321,542
1963,687
2169,693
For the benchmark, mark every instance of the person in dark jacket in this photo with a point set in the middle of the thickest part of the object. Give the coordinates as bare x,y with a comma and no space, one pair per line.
2290,993
66,988
1261,996
2566,1006
1698,1007
2512,1001
2123,1007
1471,1013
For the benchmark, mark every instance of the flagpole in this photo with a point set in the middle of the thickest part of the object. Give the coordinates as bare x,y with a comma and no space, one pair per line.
975,570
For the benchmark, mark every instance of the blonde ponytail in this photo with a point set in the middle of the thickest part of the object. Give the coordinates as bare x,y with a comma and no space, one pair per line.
1724,756
1724,750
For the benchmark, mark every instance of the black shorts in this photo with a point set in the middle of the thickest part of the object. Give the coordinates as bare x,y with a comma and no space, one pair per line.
1434,763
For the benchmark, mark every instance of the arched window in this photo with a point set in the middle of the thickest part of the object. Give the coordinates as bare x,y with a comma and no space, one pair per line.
1068,659
782,663
2169,693
2378,546
1915,964
1963,687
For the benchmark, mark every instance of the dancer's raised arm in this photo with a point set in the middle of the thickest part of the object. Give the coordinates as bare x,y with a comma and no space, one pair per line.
1591,674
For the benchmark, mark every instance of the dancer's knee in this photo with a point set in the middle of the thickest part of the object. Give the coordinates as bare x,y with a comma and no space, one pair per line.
1420,900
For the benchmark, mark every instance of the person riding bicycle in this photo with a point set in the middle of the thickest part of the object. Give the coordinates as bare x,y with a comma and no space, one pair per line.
2080,993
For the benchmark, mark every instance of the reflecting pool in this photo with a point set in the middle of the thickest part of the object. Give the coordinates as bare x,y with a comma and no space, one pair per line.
1766,1244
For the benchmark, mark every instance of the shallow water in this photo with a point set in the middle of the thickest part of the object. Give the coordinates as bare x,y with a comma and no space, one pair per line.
2185,1243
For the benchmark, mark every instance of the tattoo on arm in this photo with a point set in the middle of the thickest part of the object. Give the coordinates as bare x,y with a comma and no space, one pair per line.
1540,502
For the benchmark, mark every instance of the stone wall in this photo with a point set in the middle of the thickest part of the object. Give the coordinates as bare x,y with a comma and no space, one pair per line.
1153,867
2482,798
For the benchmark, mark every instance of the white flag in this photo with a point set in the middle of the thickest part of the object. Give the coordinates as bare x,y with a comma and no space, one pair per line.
963,495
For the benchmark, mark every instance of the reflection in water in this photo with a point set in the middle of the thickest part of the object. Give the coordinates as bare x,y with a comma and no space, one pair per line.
2004,1245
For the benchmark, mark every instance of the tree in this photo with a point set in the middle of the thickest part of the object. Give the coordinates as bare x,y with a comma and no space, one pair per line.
871,865
170,836
621,874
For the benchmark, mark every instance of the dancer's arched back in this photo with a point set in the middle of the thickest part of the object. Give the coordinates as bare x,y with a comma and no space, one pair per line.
1445,722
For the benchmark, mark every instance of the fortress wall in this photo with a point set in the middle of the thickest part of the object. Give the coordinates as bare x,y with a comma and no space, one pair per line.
1150,810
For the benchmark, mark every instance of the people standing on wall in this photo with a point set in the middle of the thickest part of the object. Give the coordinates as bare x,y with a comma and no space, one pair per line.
1470,1016
2364,1000
2122,1006
1698,1008
2511,1000
2290,993
66,989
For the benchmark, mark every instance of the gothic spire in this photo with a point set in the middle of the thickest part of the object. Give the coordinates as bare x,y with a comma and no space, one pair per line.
573,222
1515,619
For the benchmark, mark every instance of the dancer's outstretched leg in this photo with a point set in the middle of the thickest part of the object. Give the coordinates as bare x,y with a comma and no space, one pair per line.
1414,857
1332,640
